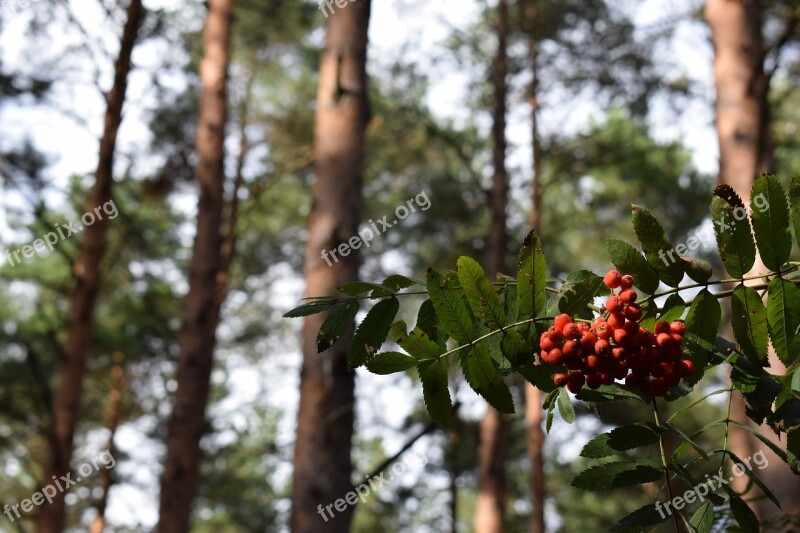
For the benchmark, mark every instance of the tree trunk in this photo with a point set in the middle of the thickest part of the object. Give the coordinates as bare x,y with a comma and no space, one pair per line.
746,149
490,505
198,333
533,396
67,397
113,415
741,90
322,464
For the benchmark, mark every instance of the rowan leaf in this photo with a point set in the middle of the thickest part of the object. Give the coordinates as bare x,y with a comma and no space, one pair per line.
732,229
769,212
657,249
372,332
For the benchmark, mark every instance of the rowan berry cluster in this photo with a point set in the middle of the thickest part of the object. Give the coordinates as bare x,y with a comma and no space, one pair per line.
615,347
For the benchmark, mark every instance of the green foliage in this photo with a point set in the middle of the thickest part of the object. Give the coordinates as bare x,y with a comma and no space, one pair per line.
487,329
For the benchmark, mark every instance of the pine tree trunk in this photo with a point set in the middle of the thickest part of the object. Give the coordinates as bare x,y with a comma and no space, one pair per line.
533,396
68,392
197,337
746,149
490,505
322,463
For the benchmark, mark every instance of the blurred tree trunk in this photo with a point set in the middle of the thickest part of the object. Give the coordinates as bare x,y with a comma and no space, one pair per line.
533,396
746,149
67,396
322,463
490,506
197,337
113,415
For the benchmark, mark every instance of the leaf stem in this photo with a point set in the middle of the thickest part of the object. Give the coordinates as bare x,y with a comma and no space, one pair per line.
664,459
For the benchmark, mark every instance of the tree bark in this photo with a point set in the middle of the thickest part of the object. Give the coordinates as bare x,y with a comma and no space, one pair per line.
490,505
746,149
113,415
322,463
197,337
68,392
533,396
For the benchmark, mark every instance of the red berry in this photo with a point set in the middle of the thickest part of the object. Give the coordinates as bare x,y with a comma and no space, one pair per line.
687,368
620,336
678,327
560,379
546,344
571,331
555,334
594,381
632,327
562,320
604,331
570,348
664,340
616,320
583,326
588,339
607,379
626,282
614,304
628,296
575,382
592,361
602,347
618,353
661,327
556,357
676,339
633,312
612,279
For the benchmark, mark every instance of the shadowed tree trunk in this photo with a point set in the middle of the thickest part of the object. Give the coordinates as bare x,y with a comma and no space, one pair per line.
322,464
68,392
533,396
490,505
746,149
197,337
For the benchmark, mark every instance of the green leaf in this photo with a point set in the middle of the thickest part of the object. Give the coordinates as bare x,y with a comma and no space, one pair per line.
549,422
428,322
484,379
742,466
783,317
337,323
703,518
417,343
685,438
697,269
311,308
390,362
702,322
435,391
608,393
794,204
793,449
744,516
531,278
620,474
628,260
361,287
448,301
642,519
657,249
673,308
749,320
397,282
565,408
790,459
481,296
372,332
734,240
770,214
540,376
578,291
620,439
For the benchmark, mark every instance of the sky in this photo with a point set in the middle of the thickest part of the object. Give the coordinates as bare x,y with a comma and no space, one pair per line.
415,27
